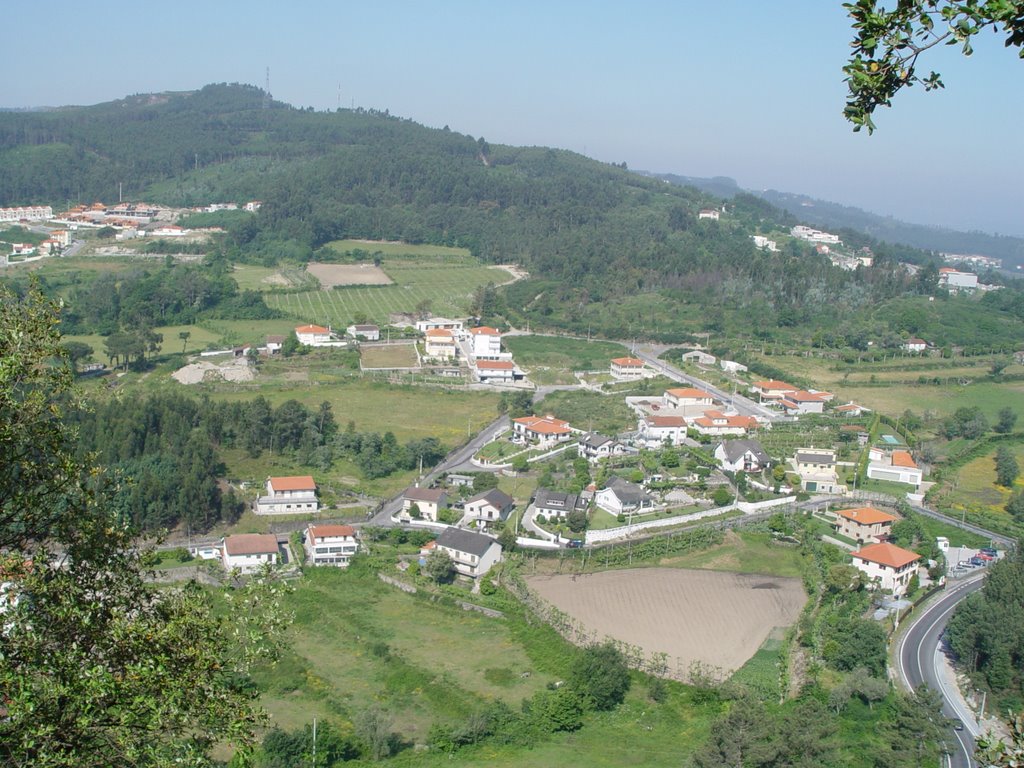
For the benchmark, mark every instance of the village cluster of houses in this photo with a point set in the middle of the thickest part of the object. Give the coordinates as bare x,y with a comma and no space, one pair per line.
448,340
666,420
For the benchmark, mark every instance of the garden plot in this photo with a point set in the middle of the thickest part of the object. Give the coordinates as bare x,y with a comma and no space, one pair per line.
719,619
331,275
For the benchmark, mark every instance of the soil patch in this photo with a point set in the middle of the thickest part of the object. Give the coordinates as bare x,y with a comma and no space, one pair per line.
331,275
716,618
237,369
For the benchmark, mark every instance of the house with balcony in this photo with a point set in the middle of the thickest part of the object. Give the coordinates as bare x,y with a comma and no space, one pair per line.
331,545
429,501
489,506
896,467
627,368
472,554
294,495
541,430
816,468
865,525
887,566
741,456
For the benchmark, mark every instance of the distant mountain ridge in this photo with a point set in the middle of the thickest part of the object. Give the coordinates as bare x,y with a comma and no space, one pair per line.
826,214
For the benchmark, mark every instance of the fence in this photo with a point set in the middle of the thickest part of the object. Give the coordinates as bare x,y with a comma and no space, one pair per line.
748,509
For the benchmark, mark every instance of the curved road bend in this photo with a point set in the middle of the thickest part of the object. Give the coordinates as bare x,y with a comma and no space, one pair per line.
918,661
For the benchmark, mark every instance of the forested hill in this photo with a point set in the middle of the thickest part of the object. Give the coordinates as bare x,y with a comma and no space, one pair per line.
608,250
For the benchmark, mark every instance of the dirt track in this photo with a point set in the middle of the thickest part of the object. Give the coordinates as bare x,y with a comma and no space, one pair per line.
714,617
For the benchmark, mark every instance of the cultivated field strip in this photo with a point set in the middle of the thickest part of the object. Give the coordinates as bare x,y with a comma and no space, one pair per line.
718,619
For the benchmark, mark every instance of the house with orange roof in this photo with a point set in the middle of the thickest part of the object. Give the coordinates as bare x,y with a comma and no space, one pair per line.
249,552
864,524
771,389
887,566
717,423
802,401
440,343
293,495
495,371
851,409
627,367
332,545
896,467
679,397
955,280
314,335
486,342
541,430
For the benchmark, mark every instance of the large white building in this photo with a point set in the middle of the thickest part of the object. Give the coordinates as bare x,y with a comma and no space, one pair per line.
897,467
955,280
313,335
486,342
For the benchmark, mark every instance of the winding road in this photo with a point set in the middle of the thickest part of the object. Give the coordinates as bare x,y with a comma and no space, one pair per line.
919,662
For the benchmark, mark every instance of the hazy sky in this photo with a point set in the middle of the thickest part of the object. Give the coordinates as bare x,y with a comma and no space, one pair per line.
742,88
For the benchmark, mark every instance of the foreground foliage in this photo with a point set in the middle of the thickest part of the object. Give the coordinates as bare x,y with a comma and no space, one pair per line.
97,666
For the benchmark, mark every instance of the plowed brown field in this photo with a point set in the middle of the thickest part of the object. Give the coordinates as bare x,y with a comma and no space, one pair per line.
716,618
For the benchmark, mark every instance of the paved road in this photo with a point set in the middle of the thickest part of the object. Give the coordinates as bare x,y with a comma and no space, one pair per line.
919,657
457,458
743,405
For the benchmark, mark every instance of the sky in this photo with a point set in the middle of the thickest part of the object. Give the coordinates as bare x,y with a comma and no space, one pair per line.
748,89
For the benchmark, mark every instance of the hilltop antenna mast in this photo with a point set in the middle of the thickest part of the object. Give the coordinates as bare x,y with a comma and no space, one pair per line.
266,91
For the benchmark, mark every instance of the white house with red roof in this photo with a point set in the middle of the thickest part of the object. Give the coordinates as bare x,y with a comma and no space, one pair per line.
897,467
802,401
486,342
294,495
541,429
887,566
332,545
864,524
679,397
249,552
169,230
851,409
495,371
717,423
914,345
772,389
627,367
440,343
313,335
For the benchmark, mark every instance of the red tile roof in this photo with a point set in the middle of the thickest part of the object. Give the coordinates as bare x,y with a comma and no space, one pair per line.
438,332
331,531
251,544
666,421
495,365
295,483
887,554
866,515
311,329
628,362
485,330
903,459
546,425
774,384
688,393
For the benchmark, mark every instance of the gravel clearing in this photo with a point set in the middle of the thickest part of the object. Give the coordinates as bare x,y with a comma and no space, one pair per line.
236,369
